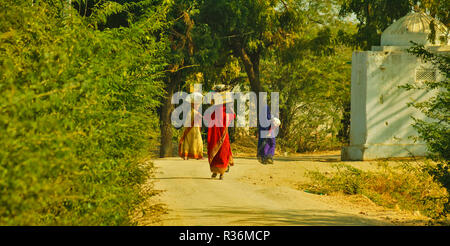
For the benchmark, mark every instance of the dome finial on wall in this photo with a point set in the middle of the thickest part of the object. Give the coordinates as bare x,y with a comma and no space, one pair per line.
415,27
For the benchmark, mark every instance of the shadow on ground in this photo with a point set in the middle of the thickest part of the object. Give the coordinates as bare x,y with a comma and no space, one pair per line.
189,178
315,158
266,217
321,158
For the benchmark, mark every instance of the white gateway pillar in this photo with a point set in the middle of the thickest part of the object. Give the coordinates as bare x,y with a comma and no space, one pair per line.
381,120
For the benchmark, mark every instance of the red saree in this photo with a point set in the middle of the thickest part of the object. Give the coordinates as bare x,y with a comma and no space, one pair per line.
219,148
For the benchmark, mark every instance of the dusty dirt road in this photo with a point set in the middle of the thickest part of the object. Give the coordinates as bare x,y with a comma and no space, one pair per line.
253,195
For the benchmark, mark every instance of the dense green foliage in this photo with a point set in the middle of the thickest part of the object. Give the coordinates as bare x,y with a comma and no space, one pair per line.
76,112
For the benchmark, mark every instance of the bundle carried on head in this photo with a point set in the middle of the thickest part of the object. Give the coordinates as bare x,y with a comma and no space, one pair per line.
275,121
220,88
195,97
221,95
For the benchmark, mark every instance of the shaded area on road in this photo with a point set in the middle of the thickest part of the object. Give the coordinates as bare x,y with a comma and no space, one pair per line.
301,158
192,178
270,217
320,158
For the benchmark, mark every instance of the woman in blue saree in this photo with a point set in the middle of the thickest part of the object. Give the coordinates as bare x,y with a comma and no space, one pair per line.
266,146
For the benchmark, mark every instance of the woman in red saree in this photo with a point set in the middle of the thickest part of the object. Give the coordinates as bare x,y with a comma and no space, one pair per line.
219,148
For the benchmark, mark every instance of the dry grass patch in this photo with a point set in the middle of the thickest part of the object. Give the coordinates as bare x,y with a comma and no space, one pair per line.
406,186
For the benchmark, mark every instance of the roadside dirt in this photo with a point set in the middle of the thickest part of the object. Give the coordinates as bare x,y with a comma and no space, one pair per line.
257,195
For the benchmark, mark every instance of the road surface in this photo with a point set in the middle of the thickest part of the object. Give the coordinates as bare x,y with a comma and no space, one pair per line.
250,195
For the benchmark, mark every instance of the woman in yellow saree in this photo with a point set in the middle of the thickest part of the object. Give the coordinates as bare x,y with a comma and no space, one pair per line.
191,143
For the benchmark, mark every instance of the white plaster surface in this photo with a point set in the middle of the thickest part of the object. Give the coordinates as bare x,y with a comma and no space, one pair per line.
381,120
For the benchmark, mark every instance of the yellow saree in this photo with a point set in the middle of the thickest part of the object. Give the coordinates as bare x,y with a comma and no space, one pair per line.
191,143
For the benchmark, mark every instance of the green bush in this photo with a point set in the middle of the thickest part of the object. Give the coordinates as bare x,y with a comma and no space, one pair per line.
76,115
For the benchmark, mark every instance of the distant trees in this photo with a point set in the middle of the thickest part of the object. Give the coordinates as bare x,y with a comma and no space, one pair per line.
213,33
193,49
313,78
247,29
179,31
279,45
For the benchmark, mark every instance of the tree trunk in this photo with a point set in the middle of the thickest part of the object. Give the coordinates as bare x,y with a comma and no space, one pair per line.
251,65
167,107
284,129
